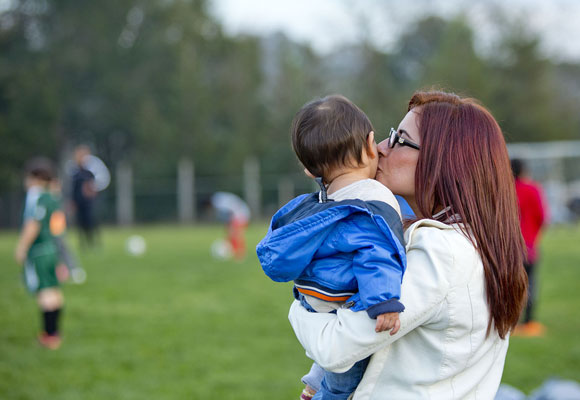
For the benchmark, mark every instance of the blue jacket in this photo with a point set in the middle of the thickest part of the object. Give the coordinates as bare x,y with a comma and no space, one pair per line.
350,250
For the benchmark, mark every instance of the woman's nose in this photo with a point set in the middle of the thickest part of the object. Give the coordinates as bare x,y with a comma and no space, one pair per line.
383,147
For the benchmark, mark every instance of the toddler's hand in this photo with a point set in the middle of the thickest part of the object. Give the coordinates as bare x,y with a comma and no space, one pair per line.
388,321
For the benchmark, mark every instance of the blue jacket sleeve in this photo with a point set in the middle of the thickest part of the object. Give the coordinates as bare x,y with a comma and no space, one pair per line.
377,266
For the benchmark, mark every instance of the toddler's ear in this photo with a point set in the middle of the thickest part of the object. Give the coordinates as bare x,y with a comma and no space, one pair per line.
309,174
371,145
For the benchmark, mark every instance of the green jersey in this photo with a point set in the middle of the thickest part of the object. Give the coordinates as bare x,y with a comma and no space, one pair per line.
40,206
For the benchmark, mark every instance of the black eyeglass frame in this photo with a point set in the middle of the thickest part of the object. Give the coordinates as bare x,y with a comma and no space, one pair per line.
395,138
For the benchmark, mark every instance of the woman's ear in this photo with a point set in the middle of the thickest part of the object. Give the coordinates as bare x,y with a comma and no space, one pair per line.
371,145
309,174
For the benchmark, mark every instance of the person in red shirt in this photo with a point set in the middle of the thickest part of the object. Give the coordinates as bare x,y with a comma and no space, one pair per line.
533,217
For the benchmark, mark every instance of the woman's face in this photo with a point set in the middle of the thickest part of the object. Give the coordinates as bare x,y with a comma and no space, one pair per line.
396,168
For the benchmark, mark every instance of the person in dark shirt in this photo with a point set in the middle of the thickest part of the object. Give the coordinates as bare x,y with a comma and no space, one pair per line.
83,197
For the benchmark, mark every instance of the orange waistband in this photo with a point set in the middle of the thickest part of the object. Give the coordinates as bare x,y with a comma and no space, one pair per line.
321,296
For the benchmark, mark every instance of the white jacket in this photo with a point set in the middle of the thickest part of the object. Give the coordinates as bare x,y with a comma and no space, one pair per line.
441,350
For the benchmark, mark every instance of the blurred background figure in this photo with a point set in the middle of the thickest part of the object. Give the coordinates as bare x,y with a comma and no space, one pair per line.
89,176
574,207
533,217
234,211
36,250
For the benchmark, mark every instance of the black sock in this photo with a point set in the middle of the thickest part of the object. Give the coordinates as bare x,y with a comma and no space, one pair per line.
51,321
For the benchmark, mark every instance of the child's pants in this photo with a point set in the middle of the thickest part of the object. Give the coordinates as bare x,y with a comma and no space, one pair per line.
335,386
331,385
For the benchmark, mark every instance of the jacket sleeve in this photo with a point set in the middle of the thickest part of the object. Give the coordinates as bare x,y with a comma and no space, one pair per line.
378,265
337,341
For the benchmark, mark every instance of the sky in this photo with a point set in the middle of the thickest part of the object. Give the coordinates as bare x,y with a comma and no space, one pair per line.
326,24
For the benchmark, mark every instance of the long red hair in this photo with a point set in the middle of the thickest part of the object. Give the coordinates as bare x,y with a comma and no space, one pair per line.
464,168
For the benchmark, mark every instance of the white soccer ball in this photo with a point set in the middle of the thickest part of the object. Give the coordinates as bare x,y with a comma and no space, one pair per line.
78,275
136,245
221,250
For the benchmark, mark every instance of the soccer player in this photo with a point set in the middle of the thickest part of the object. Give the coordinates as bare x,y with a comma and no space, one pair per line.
37,252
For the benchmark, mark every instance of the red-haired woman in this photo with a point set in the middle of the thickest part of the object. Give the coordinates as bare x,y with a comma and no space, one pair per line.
465,283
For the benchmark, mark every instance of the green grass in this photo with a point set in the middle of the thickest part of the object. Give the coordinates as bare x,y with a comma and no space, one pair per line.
530,361
177,324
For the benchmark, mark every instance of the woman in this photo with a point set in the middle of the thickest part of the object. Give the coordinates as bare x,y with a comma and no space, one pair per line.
465,284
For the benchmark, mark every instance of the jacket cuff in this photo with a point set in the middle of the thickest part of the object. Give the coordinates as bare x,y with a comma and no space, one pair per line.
391,305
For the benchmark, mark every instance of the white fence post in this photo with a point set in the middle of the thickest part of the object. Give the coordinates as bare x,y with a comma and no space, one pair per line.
185,191
124,194
285,191
252,187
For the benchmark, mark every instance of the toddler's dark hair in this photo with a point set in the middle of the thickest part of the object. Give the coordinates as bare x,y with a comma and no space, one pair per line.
328,133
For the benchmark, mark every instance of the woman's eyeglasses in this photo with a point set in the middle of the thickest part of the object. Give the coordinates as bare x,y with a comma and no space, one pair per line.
395,138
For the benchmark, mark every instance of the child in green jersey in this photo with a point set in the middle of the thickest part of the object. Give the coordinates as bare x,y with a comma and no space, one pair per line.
36,250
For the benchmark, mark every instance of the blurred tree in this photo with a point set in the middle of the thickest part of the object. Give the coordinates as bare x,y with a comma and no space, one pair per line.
377,91
27,107
292,75
524,95
567,76
146,80
416,47
455,65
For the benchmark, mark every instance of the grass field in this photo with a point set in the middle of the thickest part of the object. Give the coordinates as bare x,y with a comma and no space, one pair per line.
177,324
